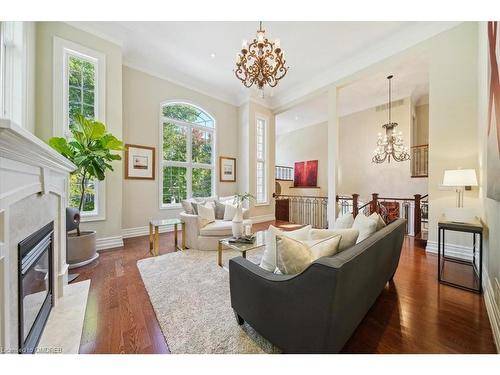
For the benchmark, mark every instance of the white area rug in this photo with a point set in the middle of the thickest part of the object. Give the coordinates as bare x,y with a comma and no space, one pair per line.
190,295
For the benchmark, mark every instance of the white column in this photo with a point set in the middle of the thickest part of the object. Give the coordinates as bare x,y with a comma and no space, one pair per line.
333,147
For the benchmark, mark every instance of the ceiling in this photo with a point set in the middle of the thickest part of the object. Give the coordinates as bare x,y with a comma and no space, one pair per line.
200,55
411,79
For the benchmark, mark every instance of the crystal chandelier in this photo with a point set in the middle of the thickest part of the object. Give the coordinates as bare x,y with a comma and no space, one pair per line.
261,62
391,144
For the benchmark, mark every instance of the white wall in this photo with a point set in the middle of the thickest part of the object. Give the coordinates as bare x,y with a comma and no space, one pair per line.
309,143
357,140
490,209
142,95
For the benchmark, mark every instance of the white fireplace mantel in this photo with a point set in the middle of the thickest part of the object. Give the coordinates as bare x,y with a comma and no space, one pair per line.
29,169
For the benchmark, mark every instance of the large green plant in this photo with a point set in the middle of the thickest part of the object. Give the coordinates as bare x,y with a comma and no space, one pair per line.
90,149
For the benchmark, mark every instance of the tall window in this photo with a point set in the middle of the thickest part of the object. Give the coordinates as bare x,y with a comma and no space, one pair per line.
79,87
188,153
261,165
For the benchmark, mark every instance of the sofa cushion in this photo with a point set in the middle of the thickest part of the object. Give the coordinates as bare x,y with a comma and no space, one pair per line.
229,211
365,225
268,261
217,228
294,256
380,222
348,236
206,214
344,222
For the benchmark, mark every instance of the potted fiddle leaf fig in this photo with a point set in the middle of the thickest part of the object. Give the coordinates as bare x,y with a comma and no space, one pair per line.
91,149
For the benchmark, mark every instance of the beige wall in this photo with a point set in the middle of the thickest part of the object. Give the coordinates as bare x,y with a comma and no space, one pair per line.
309,143
421,134
142,95
248,114
490,209
357,140
45,32
452,116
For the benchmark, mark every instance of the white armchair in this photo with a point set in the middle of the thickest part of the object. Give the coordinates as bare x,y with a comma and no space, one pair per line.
207,237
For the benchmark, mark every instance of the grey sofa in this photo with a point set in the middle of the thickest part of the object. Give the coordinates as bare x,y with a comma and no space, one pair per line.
317,310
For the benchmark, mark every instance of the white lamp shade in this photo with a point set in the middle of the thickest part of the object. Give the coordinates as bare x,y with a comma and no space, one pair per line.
460,177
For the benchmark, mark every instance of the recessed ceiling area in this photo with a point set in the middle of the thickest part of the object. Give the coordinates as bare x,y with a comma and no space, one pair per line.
411,79
201,55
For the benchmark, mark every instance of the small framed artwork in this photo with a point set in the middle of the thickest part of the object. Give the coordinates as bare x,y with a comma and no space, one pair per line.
139,162
227,169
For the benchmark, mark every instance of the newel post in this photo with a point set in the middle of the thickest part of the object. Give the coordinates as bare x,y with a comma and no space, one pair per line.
355,204
417,223
374,203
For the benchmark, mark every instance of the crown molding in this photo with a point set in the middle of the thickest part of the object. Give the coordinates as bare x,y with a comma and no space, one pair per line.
226,98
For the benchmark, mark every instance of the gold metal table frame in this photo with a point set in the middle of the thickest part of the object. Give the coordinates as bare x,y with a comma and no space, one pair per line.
154,234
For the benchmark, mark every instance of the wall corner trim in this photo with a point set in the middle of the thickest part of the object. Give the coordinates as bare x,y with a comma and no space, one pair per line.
492,308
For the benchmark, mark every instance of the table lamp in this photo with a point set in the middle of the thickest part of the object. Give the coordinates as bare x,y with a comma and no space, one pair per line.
461,180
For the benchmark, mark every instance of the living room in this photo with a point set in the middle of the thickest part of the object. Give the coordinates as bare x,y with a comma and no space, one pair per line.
158,196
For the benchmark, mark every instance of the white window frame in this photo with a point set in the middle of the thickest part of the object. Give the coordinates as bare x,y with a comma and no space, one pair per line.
265,160
189,165
63,49
3,67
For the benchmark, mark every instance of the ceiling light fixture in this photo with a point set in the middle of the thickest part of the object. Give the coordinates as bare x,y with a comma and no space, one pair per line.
261,62
391,144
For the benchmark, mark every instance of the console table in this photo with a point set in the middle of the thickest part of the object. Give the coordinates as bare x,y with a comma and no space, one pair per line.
476,229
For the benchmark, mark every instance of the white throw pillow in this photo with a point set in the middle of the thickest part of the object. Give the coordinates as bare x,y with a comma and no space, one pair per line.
344,222
268,261
380,222
295,256
365,225
348,236
206,213
229,211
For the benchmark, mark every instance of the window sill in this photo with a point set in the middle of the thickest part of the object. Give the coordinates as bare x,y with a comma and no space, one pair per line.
171,207
262,204
91,218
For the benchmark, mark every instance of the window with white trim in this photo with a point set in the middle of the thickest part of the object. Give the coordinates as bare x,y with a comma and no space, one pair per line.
79,87
188,149
261,161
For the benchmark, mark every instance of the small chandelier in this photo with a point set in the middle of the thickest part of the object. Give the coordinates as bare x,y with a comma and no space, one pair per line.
260,62
391,144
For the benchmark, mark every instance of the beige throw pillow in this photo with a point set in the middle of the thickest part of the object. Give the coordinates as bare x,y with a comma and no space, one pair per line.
344,222
206,213
365,225
229,211
294,256
380,222
268,261
348,236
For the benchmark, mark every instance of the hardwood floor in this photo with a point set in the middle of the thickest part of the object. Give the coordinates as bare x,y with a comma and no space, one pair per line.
414,314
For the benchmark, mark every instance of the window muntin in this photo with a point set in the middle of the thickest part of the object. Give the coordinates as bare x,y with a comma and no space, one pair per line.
261,159
188,153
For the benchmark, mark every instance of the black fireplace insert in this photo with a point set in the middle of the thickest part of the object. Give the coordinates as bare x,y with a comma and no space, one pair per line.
35,279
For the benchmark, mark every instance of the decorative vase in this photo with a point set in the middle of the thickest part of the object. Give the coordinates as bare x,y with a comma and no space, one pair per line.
81,250
237,226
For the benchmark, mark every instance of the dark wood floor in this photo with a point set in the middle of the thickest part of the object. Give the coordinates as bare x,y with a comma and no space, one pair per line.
414,314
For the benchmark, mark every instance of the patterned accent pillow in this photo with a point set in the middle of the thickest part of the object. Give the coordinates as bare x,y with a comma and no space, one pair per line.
188,207
220,208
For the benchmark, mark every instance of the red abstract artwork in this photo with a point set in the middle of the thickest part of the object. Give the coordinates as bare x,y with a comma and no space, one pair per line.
306,174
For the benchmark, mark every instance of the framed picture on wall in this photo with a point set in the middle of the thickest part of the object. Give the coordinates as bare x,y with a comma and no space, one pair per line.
139,162
227,169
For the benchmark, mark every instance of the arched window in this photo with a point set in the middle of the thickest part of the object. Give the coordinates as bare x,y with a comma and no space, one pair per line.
188,153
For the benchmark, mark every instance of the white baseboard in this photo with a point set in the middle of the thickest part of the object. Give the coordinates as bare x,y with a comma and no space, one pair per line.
492,307
143,231
456,251
262,218
109,242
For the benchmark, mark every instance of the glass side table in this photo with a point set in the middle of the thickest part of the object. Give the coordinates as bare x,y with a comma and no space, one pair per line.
455,271
154,234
